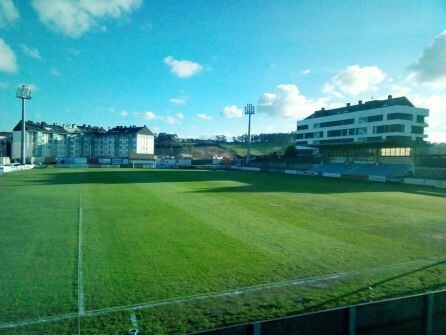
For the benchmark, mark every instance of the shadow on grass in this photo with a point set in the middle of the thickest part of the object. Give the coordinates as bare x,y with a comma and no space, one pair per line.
248,181
376,285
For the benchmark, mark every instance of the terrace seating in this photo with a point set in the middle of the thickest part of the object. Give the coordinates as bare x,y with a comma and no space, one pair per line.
331,168
385,170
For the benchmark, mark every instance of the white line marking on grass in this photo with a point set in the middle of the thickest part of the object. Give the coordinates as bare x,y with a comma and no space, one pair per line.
233,292
47,319
134,321
247,289
80,280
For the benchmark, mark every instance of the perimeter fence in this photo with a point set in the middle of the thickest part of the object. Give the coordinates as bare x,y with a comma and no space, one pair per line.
417,315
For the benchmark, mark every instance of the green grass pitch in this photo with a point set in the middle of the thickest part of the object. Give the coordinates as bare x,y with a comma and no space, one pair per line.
153,235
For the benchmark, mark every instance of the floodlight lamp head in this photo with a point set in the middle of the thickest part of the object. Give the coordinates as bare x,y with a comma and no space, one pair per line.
249,109
23,92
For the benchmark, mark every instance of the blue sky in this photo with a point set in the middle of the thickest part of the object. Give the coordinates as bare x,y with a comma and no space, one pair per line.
190,66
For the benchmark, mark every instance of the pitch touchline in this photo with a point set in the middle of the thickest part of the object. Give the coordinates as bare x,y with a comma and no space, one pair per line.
47,319
151,304
247,289
80,281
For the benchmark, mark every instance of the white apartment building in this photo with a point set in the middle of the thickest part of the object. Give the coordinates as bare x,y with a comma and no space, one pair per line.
50,142
124,142
366,131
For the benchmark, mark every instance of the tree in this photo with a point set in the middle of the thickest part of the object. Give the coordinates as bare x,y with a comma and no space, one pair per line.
290,151
166,138
220,138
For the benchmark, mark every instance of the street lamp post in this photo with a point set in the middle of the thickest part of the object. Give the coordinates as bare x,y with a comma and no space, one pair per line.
249,110
23,93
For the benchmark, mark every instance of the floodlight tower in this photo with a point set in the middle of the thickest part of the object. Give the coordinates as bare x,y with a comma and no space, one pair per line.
23,93
249,110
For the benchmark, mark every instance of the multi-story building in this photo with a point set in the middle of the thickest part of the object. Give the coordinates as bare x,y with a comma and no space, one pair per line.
50,142
372,131
5,144
124,142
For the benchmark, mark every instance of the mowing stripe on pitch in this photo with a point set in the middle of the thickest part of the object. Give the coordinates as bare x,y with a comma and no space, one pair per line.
233,292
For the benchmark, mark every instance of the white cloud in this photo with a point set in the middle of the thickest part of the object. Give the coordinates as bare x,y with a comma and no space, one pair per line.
203,116
232,112
182,68
74,51
123,113
355,80
400,90
55,72
306,72
4,85
8,60
31,52
178,101
287,102
149,116
430,68
437,114
171,120
8,12
74,18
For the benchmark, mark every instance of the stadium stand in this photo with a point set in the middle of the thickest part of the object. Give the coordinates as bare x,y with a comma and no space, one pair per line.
331,168
385,170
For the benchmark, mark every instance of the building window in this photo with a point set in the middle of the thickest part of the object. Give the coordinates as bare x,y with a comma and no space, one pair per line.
395,152
314,135
372,118
334,123
333,133
340,140
417,129
347,132
399,116
362,131
374,139
375,118
388,128
420,119
302,127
